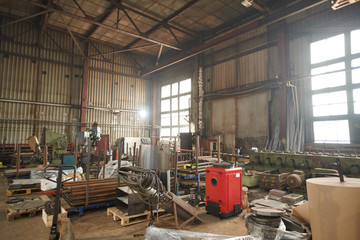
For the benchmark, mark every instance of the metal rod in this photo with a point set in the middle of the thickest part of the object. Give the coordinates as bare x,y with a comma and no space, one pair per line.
134,154
121,151
197,153
75,156
175,166
98,161
18,148
88,171
339,169
159,54
45,156
218,148
104,163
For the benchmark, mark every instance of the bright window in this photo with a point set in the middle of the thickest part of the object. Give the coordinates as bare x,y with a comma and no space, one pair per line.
175,108
335,85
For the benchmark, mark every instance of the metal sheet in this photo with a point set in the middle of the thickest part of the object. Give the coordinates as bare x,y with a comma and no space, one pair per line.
155,156
112,85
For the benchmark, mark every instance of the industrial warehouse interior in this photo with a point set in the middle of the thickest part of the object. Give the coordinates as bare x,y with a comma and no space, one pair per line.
180,119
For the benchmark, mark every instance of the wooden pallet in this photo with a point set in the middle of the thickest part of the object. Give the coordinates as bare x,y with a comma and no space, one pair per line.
126,220
12,214
22,191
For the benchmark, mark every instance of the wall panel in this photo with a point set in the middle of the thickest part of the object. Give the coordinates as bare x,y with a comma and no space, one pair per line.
42,86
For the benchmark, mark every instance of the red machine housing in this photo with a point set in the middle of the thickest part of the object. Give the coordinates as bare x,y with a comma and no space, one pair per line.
223,190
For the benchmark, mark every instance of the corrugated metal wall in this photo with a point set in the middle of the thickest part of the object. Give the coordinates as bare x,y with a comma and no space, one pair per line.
41,87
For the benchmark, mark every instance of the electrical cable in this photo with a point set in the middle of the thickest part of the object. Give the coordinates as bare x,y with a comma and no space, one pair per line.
145,182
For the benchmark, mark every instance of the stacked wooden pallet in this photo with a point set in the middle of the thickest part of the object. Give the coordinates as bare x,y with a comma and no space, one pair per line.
99,191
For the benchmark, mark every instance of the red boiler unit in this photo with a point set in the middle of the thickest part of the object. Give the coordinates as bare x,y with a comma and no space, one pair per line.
223,190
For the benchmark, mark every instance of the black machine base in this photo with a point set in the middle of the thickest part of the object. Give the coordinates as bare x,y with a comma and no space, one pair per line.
214,209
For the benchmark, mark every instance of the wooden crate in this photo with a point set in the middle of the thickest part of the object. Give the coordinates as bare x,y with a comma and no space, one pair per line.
126,220
48,219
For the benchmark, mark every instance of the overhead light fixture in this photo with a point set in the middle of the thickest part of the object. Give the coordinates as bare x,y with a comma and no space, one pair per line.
143,113
247,3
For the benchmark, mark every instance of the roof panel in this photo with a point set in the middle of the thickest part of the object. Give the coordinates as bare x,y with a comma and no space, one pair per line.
202,17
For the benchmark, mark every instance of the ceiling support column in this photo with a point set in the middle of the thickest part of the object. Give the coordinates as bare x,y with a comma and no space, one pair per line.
154,135
84,92
283,53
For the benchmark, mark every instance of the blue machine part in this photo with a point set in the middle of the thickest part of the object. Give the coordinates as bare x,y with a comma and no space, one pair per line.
81,209
68,159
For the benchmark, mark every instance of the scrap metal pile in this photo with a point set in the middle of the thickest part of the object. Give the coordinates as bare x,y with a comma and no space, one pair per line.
148,185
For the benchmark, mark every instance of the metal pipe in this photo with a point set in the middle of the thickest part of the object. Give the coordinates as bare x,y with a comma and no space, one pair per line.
197,153
104,163
218,146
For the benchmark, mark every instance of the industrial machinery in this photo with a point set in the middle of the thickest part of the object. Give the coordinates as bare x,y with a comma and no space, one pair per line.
93,134
59,143
309,164
223,190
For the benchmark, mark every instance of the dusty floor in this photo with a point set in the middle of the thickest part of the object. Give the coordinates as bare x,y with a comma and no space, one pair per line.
95,223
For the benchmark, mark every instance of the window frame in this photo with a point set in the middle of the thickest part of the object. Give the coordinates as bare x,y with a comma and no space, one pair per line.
349,86
178,95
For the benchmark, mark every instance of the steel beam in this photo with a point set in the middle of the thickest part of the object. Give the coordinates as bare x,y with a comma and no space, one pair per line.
73,38
102,19
121,6
25,18
277,16
103,25
283,52
154,112
165,22
123,50
84,92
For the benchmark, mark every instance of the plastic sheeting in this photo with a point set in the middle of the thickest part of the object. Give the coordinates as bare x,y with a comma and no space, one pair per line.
259,231
111,168
47,185
154,233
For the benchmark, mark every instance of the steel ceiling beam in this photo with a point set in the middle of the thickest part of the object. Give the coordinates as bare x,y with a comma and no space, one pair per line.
103,25
25,18
276,16
130,9
101,19
165,22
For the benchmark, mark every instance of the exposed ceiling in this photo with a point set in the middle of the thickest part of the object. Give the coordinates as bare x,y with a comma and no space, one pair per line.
145,25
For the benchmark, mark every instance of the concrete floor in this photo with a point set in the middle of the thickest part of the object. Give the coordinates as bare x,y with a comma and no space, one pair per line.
95,223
